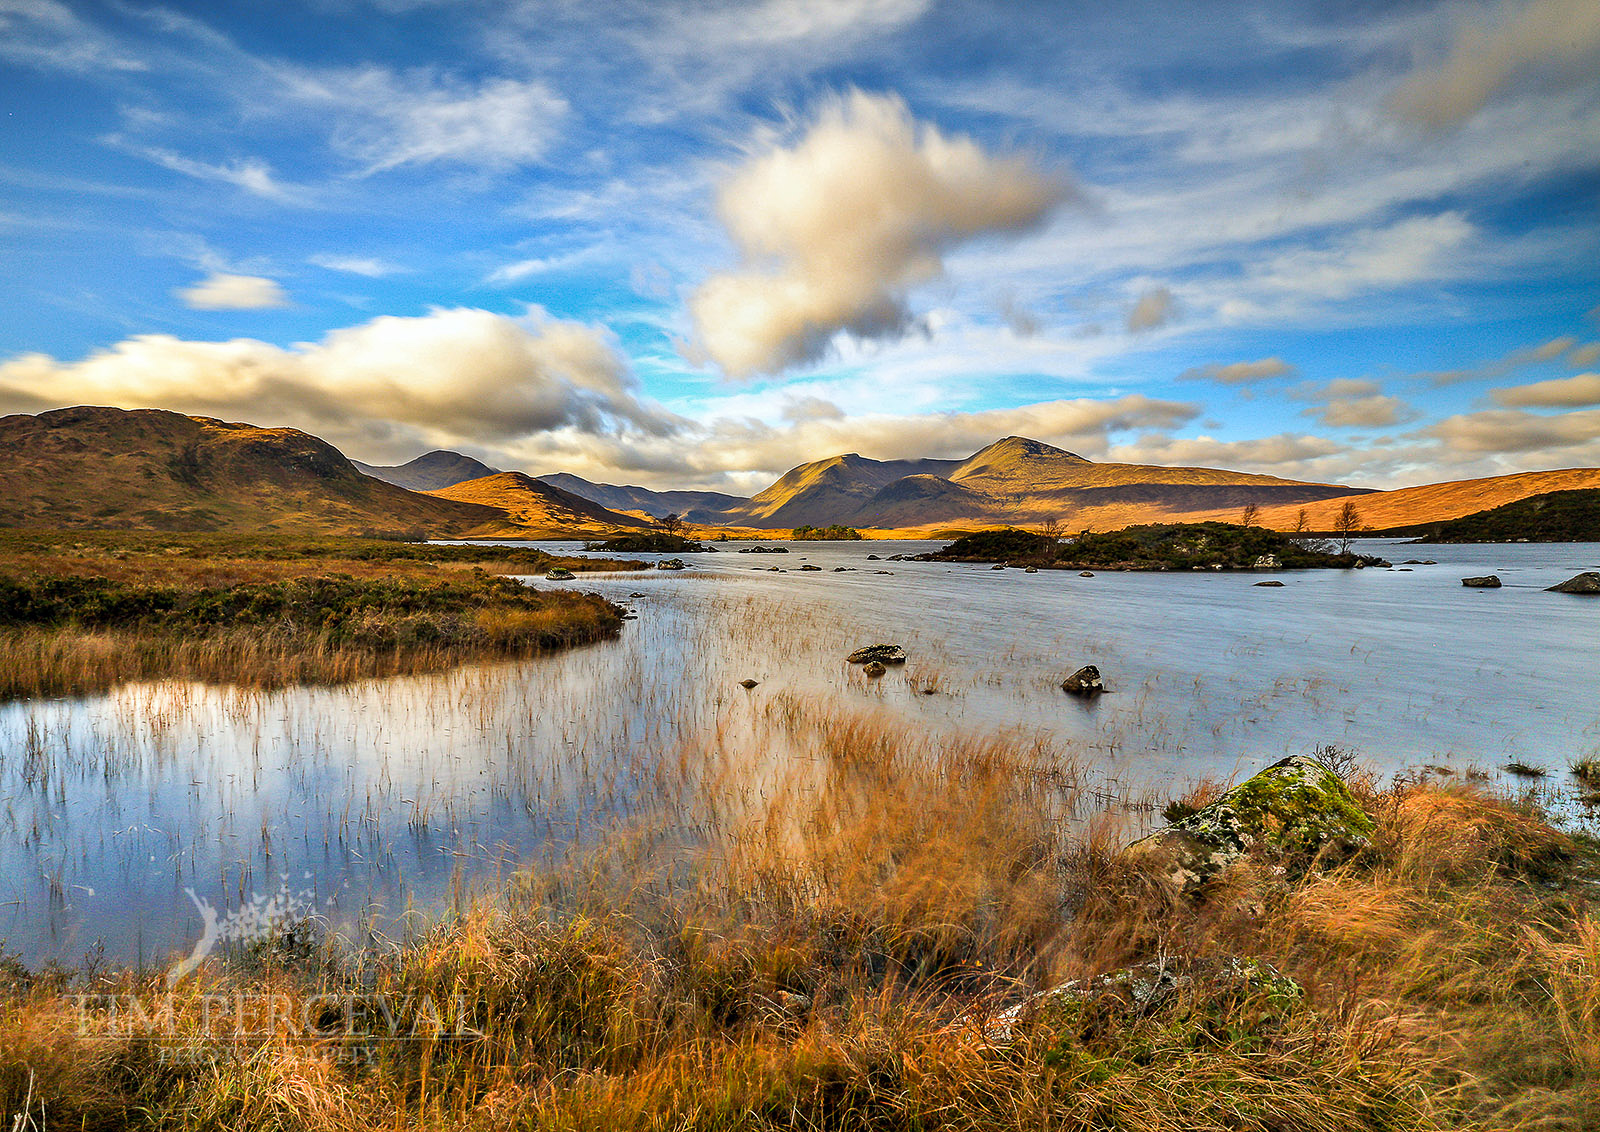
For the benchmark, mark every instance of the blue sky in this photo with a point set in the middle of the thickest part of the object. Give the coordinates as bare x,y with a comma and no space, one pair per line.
696,244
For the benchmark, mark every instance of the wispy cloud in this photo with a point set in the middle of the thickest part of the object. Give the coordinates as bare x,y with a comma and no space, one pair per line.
368,266
1239,373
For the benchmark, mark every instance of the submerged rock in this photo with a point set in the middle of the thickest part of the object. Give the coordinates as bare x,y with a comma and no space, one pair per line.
1085,573
873,558
808,566
1278,585
882,654
1084,682
1487,582
747,683
1585,583
1296,810
874,669
1030,569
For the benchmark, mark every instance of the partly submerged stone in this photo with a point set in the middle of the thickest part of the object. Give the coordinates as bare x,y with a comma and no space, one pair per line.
1030,569
748,683
1147,988
1085,573
874,669
1271,585
559,574
883,654
1267,562
1084,682
1295,810
1585,583
670,564
1487,582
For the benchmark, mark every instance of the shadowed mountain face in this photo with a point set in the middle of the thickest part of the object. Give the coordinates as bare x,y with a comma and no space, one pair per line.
535,509
429,472
694,506
150,469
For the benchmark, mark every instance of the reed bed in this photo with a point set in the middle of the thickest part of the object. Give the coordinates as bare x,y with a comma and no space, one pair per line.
804,921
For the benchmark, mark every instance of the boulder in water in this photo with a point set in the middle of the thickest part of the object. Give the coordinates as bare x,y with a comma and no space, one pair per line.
1487,582
881,654
874,669
1084,682
1585,583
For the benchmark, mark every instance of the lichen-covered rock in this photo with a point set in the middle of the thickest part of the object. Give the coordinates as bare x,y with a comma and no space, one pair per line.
1084,682
670,564
1267,562
1585,583
1147,988
1487,582
1294,810
883,654
559,574
874,669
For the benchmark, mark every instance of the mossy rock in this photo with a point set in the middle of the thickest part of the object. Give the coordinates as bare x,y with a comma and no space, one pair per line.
1295,811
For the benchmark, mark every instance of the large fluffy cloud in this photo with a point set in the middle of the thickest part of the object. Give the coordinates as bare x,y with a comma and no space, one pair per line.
1552,42
834,230
385,387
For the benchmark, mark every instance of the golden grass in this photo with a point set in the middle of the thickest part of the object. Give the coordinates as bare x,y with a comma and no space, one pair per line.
817,945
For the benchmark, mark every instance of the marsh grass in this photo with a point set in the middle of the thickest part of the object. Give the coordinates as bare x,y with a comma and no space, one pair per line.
82,613
817,942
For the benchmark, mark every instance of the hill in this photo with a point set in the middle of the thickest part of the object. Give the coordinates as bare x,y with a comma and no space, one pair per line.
692,506
1553,516
1409,507
1014,480
121,469
534,509
428,472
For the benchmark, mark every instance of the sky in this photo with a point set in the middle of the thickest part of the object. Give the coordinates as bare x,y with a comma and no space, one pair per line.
695,244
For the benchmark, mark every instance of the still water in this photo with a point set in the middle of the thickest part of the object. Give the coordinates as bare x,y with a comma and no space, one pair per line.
129,819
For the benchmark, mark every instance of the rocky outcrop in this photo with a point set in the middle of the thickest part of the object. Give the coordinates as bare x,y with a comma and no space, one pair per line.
1084,682
1585,583
670,564
559,574
1267,562
1487,582
1295,811
881,654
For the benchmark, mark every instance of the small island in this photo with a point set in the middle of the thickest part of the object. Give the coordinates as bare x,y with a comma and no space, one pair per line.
1161,546
833,533
1554,516
655,542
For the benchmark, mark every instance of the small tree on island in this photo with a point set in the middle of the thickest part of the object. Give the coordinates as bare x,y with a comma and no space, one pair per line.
1248,517
1346,525
670,524
1051,528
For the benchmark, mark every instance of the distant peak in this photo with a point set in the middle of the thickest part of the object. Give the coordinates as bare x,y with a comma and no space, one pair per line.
1022,446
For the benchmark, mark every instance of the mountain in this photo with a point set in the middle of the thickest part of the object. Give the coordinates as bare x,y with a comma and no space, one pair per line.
693,506
1014,480
1430,503
152,469
428,472
1554,516
534,509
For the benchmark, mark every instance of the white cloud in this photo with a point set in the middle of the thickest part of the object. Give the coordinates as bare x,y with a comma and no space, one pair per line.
1554,43
1408,251
252,175
779,22
389,386
1374,410
372,268
835,230
44,33
1239,373
1570,437
1153,310
1283,454
220,291
1585,355
1565,392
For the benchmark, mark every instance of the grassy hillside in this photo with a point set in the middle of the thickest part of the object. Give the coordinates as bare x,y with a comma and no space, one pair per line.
428,472
1554,516
534,509
90,467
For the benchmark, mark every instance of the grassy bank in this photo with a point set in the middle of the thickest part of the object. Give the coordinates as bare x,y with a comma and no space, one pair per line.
825,949
81,612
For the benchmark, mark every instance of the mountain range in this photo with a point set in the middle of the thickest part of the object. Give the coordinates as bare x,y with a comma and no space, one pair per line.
149,468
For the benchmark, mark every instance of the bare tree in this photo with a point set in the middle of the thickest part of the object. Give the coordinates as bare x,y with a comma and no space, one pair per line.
1051,527
670,524
1302,522
1346,525
1247,518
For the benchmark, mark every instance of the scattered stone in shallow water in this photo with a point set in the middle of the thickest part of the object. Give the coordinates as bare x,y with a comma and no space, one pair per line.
874,669
670,564
1030,570
1085,573
637,593
559,574
1278,585
808,566
873,558
998,566
1084,682
1487,582
1297,810
748,683
883,654
1585,583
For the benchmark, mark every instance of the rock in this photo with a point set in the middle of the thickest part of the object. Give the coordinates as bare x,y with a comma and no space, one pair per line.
897,558
873,558
808,566
1146,988
1429,562
560,574
1585,583
670,564
874,669
1267,562
637,593
882,654
998,566
1030,570
1412,562
1487,582
1278,585
1084,682
1085,573
747,683
764,550
1294,810
776,570
888,572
